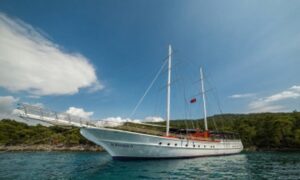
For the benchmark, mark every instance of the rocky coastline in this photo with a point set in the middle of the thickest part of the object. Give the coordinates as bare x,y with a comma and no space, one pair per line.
42,147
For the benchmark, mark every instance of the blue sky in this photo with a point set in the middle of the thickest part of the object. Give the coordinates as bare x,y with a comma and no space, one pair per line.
250,51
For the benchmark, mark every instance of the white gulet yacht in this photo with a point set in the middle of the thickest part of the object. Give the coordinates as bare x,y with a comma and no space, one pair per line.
122,144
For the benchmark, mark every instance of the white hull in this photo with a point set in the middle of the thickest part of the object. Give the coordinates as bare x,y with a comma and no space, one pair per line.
124,144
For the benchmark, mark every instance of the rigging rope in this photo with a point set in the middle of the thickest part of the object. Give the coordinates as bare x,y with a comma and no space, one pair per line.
147,90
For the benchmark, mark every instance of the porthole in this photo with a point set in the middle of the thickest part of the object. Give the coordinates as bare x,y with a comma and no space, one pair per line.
168,144
159,143
198,146
186,145
175,144
194,145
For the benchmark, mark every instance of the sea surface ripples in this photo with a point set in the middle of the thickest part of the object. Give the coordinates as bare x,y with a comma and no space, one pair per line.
87,165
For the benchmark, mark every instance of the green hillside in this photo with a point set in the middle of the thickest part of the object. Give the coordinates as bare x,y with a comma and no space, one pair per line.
16,133
261,130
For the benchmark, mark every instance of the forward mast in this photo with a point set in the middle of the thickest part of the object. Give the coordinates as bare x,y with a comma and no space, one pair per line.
169,90
204,100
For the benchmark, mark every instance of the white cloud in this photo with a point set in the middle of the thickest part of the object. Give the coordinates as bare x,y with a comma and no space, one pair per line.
153,119
95,87
147,119
296,88
34,96
290,94
263,106
120,119
116,121
237,96
30,62
7,104
79,112
270,103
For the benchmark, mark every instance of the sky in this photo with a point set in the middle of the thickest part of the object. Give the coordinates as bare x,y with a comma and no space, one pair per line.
96,58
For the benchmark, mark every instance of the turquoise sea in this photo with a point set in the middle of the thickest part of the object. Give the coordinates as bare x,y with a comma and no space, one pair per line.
92,165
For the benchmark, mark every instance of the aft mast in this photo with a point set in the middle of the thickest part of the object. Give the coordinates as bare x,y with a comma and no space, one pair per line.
169,90
203,96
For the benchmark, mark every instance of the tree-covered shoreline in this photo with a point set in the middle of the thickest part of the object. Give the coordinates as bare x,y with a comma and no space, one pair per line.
262,131
258,131
17,136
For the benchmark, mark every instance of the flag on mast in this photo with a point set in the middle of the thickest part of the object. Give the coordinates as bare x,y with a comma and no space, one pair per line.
193,100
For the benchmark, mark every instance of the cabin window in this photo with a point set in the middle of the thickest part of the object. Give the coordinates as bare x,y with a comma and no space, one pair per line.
194,145
198,146
186,145
175,144
168,144
159,143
